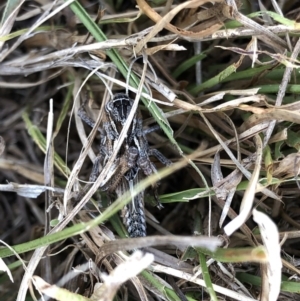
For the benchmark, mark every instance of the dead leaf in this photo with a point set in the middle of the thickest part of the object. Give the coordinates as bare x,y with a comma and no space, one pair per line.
164,22
288,167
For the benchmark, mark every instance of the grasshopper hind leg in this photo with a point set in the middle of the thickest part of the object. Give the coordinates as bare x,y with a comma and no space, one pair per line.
134,217
134,212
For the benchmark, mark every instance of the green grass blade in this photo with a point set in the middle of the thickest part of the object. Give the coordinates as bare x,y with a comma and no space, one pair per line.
214,80
206,277
188,64
286,286
40,140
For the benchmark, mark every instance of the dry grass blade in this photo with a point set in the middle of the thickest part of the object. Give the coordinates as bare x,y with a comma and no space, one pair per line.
2,145
248,198
210,243
25,190
8,18
5,269
46,16
103,291
262,32
282,89
270,238
130,268
55,292
190,277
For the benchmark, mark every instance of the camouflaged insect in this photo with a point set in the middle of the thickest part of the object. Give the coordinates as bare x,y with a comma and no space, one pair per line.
132,162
